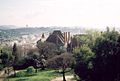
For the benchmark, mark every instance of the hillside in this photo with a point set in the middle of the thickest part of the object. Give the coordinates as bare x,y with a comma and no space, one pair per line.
8,32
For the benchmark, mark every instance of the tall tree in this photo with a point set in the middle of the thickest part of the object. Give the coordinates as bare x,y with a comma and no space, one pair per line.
15,54
46,49
7,59
14,51
83,56
106,49
105,64
63,61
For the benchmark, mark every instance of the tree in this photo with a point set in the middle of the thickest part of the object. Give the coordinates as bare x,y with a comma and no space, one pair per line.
83,53
46,50
90,37
15,54
107,53
37,60
33,58
63,61
14,51
7,59
83,56
105,63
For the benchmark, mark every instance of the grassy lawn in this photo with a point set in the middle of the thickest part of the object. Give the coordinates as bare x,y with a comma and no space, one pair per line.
45,75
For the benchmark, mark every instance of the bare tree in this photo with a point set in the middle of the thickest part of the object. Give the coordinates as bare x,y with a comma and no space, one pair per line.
63,61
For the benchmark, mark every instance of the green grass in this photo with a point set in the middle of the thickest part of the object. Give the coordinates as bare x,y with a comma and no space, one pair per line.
45,75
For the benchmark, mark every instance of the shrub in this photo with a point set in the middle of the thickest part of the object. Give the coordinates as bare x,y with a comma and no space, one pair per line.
1,66
30,70
20,74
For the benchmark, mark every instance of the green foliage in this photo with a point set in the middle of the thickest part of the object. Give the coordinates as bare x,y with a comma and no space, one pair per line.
48,50
46,75
63,61
1,66
62,49
89,38
106,43
6,48
20,74
83,53
14,50
30,70
104,62
22,79
7,58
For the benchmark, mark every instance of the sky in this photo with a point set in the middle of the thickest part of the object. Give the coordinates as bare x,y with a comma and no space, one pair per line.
83,13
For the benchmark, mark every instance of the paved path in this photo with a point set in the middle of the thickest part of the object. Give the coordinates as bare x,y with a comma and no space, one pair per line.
68,78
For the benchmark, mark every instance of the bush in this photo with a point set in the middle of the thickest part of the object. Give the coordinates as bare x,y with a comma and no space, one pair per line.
1,66
30,70
20,74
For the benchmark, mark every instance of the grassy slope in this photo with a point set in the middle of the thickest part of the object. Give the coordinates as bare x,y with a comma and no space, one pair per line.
40,76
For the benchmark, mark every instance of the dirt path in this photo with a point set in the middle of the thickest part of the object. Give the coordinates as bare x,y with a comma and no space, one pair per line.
2,74
68,78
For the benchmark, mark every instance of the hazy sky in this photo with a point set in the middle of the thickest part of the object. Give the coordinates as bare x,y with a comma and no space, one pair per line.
85,13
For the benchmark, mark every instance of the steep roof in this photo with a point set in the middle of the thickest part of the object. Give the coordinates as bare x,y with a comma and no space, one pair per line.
56,37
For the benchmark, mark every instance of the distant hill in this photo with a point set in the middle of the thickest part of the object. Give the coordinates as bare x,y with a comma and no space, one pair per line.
12,31
8,33
39,30
30,30
6,27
